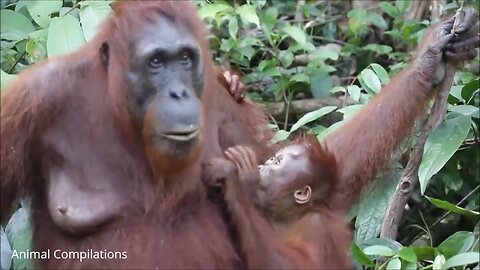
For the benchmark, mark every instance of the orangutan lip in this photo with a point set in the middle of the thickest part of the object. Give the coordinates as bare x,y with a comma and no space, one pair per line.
181,136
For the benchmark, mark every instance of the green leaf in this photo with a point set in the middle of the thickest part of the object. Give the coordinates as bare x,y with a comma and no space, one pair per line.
280,135
325,53
470,88
41,10
371,80
356,19
36,50
286,58
456,91
462,259
19,232
312,116
379,250
374,201
467,110
64,36
300,77
211,10
408,254
354,92
338,89
233,27
361,257
248,14
381,73
39,34
378,49
320,83
438,263
92,14
424,253
296,33
377,20
402,5
390,9
5,251
271,15
329,130
350,110
14,26
394,264
5,78
440,146
265,64
411,266
451,207
456,243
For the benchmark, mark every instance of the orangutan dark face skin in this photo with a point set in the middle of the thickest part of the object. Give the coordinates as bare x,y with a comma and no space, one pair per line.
166,81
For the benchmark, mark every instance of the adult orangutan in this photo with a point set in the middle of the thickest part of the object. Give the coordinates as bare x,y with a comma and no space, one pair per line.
292,209
108,142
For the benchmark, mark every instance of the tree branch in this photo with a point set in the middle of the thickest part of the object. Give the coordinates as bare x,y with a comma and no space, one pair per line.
277,109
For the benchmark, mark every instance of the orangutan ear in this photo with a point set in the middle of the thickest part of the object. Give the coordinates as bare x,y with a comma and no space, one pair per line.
303,196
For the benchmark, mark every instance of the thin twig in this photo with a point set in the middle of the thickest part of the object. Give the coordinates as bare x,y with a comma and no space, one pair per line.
16,62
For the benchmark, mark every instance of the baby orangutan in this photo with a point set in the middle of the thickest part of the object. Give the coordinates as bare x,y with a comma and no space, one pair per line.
290,184
287,198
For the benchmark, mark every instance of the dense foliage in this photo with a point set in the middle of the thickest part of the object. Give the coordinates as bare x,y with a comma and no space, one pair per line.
312,64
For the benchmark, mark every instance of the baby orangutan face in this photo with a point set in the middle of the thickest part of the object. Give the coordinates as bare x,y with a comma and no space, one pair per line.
283,168
284,165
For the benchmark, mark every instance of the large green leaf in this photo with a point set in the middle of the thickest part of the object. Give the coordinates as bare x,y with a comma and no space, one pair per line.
462,259
360,256
19,233
296,33
408,254
320,83
390,9
379,250
14,26
394,264
312,116
354,91
402,5
451,207
381,73
92,14
5,251
371,80
211,10
41,10
248,14
467,110
374,201
441,144
457,243
64,36
280,135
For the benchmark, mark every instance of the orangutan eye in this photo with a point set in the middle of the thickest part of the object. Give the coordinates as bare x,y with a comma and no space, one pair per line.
278,159
186,58
156,61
